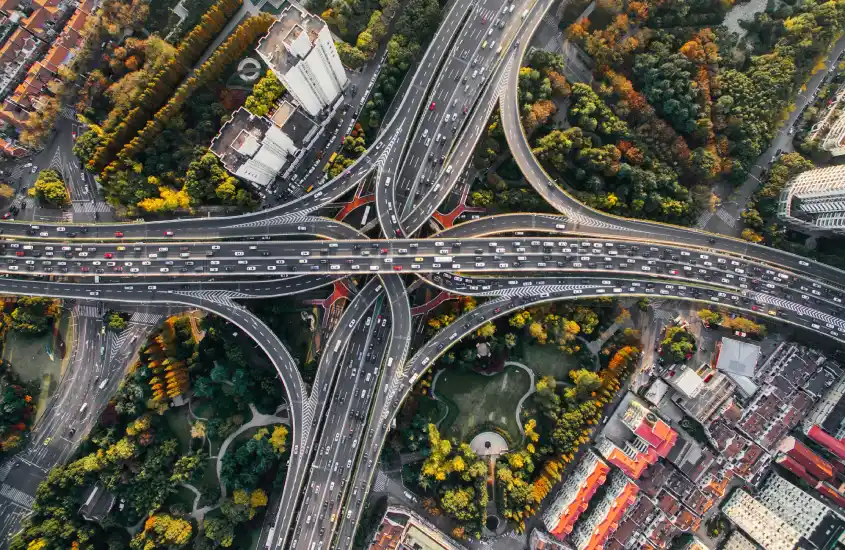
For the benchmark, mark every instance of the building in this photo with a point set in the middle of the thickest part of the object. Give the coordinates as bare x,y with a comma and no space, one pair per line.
403,529
300,50
738,541
97,503
738,361
256,148
815,465
542,541
827,441
652,438
815,200
575,494
761,524
593,531
812,519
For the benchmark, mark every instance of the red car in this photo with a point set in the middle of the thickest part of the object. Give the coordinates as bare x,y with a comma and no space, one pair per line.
7,215
397,268
466,108
118,234
108,255
19,253
484,20
84,269
398,232
383,251
168,233
432,106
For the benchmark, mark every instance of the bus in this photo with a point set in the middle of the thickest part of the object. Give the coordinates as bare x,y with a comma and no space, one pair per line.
102,385
83,408
389,361
337,346
442,259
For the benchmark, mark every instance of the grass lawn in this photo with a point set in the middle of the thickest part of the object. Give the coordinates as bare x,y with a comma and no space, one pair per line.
177,421
548,361
475,399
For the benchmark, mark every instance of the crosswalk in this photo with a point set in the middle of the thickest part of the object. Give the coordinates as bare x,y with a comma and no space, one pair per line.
145,318
550,20
87,207
726,217
17,496
69,113
5,468
86,310
703,220
17,172
380,483
67,216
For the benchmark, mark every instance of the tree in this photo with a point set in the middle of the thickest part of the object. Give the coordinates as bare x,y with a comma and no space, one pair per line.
487,330
709,317
162,531
32,315
265,94
115,321
6,191
50,187
279,438
219,529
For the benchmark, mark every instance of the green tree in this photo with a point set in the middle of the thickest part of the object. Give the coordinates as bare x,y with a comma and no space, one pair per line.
50,187
265,94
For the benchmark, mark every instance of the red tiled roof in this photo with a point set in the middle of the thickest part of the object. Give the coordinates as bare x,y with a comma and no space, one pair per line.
586,490
37,20
796,468
827,441
831,493
55,57
812,462
633,467
9,5
609,524
11,149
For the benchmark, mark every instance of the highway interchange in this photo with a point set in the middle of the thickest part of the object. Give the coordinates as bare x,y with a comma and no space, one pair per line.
340,424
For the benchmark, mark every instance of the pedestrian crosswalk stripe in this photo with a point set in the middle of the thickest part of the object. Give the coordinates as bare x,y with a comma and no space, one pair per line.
17,496
88,207
725,216
145,318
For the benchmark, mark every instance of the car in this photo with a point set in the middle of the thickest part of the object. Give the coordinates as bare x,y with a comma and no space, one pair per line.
34,169
118,234
7,215
397,268
432,106
108,255
168,233
484,20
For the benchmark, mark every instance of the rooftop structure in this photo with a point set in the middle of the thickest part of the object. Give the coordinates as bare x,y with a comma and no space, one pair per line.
300,50
709,399
653,438
594,531
815,465
575,494
538,540
252,147
97,503
688,382
738,357
761,524
812,519
402,529
774,412
744,457
827,441
829,411
815,200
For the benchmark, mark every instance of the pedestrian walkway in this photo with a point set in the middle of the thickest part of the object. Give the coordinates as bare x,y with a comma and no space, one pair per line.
85,310
5,468
380,483
726,217
68,113
144,318
90,207
703,220
17,496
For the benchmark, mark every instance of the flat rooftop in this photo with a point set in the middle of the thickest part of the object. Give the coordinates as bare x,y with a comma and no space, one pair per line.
239,139
276,46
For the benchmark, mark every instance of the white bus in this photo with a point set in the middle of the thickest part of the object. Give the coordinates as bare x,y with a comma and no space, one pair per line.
442,259
83,408
103,384
389,361
337,346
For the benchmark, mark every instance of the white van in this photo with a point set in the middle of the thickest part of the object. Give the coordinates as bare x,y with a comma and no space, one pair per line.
449,169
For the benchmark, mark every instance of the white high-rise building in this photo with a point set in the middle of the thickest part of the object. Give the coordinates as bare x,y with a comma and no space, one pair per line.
815,200
814,520
300,50
761,524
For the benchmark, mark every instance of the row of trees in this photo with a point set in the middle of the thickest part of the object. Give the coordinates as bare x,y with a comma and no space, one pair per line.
731,322
122,127
17,409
